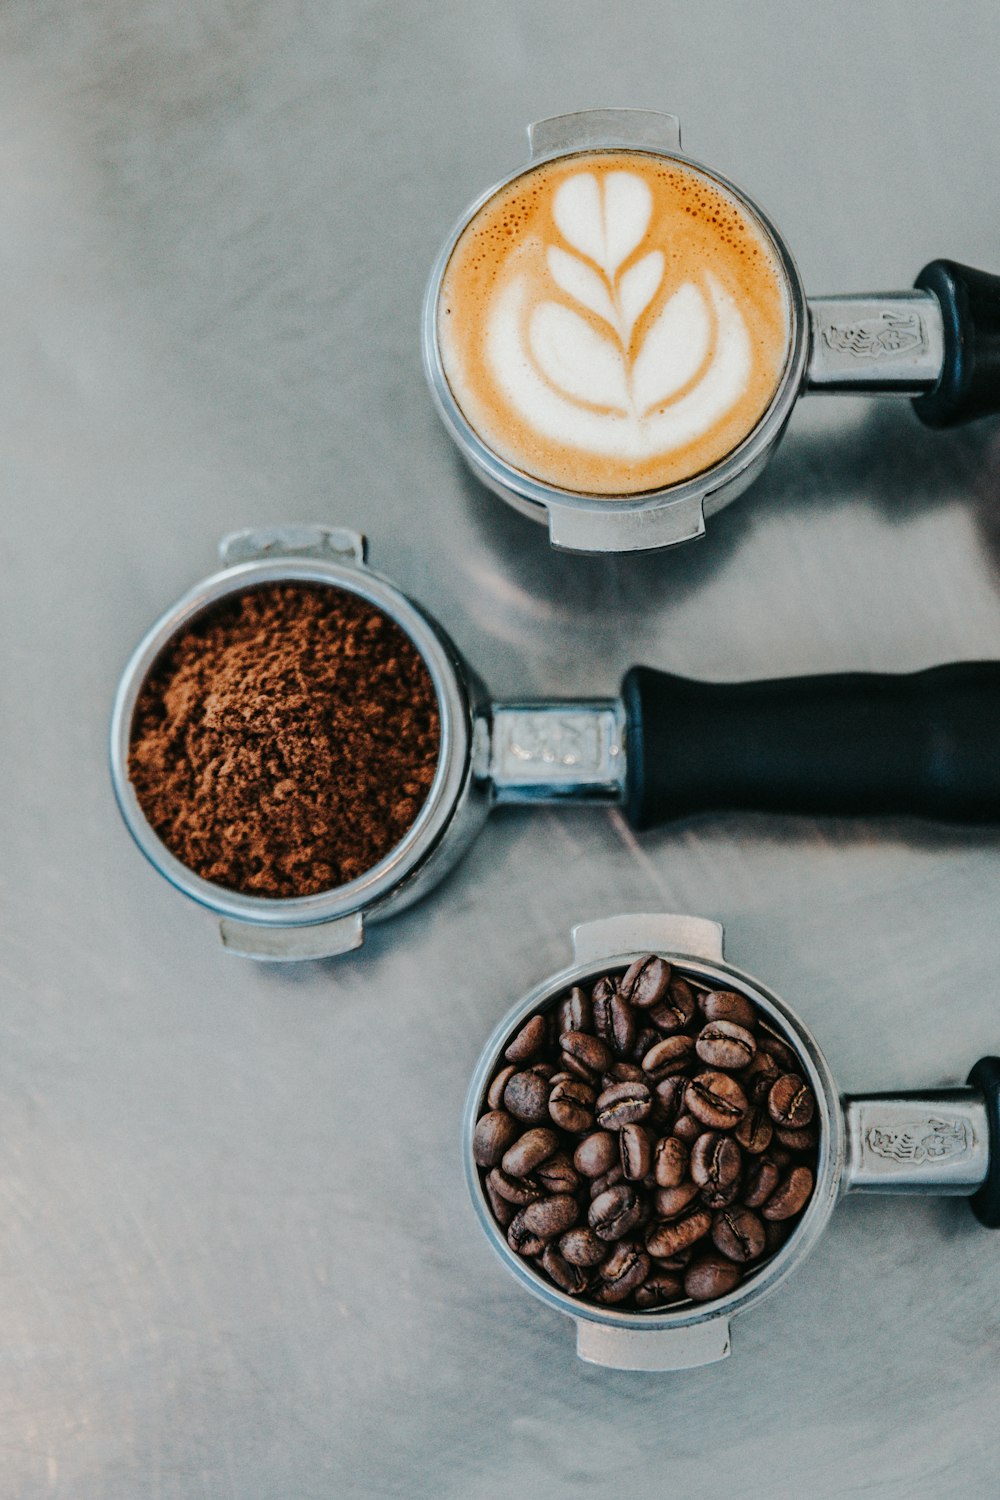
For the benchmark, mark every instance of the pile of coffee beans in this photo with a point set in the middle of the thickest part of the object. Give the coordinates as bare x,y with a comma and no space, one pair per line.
649,1141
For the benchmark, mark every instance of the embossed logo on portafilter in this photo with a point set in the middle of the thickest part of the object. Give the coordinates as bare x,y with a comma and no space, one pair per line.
613,323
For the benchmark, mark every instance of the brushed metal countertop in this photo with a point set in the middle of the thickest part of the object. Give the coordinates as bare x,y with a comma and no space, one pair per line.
221,1274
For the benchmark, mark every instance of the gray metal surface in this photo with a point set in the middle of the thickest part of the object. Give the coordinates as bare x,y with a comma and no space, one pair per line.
237,1257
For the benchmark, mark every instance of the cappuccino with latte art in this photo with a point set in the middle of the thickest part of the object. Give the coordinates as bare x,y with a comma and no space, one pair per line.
613,322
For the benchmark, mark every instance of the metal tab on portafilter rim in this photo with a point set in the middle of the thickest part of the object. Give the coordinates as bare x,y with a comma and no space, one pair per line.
939,1141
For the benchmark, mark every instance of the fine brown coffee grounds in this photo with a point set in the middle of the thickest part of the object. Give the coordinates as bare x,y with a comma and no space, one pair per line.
286,740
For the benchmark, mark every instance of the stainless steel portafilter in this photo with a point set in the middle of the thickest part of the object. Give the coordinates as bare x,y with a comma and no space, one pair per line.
938,344
665,748
942,1141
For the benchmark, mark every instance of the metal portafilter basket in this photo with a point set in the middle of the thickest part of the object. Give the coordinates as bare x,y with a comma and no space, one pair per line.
939,344
666,748
943,1142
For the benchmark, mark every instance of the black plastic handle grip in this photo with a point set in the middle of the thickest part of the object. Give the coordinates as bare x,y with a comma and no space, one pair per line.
925,743
985,1203
970,374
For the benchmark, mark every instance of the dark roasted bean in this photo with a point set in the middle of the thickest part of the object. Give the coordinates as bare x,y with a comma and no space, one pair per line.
716,1160
647,1037
551,1216
495,1096
724,1044
720,1197
612,1177
522,1239
667,1239
755,1130
494,1133
711,1276
517,1190
669,1056
727,1005
557,1175
806,1139
528,1150
790,1196
529,1040
716,1100
676,1010
527,1097
571,1106
670,1162
600,1000
624,1271
503,1211
658,1290
791,1103
761,1180
671,1201
622,1072
569,1278
586,1052
647,981
624,1104
623,1026
674,1263
636,1150
615,1212
581,1247
687,1128
782,1054
576,1012
738,1234
596,1154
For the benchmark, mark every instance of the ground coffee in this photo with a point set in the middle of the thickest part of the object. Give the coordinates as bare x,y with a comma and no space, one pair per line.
649,1140
286,740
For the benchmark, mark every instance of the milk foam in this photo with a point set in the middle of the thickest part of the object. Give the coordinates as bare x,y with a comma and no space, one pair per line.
613,345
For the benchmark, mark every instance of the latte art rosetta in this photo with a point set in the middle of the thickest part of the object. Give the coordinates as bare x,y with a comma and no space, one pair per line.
612,324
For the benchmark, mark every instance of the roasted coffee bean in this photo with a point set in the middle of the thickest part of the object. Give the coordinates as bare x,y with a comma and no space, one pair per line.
724,1044
776,1232
588,1053
688,1128
667,1239
614,1213
556,1175
503,1211
716,1100
624,1271
727,1005
668,1098
806,1139
790,1196
738,1234
576,1012
780,1155
623,1025
612,1177
711,1276
544,1070
581,1247
658,1290
716,1160
600,1004
720,1197
494,1133
647,981
596,1154
550,1216
567,1277
674,1263
782,1054
571,1106
791,1103
521,1239
624,1104
755,1130
645,1038
670,1162
676,1010
669,1056
622,1072
528,1150
527,1098
670,1201
759,1077
529,1040
636,1148
495,1096
517,1190
761,1181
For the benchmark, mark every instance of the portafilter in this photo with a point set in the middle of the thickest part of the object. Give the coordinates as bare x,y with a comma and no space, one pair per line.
666,748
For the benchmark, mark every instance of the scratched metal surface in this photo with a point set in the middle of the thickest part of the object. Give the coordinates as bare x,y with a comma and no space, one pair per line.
236,1257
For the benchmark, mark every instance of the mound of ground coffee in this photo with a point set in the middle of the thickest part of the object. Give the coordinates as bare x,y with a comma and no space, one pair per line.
286,740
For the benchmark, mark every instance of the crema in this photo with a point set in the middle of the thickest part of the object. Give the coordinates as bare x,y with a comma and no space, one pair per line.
613,323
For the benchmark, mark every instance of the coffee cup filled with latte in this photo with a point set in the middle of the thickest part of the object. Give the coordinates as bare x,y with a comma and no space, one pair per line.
615,336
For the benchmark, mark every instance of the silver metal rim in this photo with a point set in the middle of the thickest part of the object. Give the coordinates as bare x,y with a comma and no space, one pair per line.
533,495
828,1174
442,801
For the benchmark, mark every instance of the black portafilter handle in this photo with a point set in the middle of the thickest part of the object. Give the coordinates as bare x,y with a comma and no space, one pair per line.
985,1202
927,743
969,386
